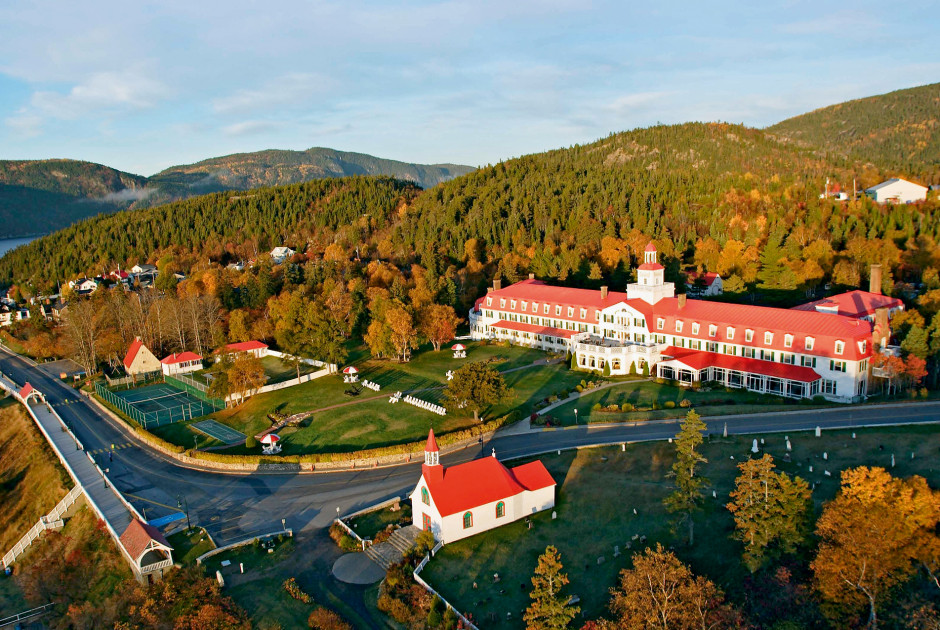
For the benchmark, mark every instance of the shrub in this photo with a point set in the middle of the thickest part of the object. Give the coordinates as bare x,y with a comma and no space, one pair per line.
626,407
646,369
290,585
394,608
606,368
342,538
251,442
923,392
326,619
685,403
579,388
596,407
669,404
658,380
656,406
583,383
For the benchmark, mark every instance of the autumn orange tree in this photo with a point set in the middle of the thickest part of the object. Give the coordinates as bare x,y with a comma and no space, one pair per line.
438,322
662,592
873,537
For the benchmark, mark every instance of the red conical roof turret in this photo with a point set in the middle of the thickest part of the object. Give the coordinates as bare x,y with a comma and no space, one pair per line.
650,247
431,446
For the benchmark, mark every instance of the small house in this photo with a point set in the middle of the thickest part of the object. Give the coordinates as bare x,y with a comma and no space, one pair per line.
140,360
897,190
180,363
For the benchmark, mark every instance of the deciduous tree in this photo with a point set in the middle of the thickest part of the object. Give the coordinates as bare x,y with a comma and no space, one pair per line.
549,609
475,386
439,324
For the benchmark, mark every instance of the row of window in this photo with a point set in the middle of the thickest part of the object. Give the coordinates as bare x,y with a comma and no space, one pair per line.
546,308
468,516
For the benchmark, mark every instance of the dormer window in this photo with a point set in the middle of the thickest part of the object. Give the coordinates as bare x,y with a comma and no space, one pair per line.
545,309
489,301
748,335
513,305
502,302
660,323
768,338
525,306
694,328
535,307
570,311
810,341
679,325
712,330
840,347
583,313
729,332
788,341
862,346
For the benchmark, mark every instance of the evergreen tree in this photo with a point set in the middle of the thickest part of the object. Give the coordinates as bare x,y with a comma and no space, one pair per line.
772,512
687,497
549,609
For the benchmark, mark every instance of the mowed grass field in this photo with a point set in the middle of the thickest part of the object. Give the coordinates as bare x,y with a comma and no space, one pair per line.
371,421
598,490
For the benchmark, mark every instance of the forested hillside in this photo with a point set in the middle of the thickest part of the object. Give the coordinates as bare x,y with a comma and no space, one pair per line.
898,132
243,171
44,195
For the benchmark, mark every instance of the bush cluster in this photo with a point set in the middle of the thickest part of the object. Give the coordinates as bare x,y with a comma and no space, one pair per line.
292,588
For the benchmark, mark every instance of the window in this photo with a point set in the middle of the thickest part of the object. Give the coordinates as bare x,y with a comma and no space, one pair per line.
467,520
512,304
678,325
768,338
712,330
545,309
502,302
489,301
789,359
748,352
694,328
836,366
809,343
558,311
788,341
829,387
729,332
426,522
570,311
862,346
500,509
660,323
767,355
524,306
583,313
840,347
425,496
863,366
748,335
535,307
808,361
711,346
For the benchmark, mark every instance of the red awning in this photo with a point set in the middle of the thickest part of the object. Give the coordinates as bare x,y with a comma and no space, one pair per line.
698,360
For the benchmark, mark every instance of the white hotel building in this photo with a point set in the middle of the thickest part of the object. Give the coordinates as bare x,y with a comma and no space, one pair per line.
786,352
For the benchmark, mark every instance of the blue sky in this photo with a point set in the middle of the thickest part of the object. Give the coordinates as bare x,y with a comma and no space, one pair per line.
141,86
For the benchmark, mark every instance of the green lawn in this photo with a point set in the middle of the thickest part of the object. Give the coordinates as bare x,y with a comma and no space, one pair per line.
644,394
278,370
183,434
189,544
598,490
369,524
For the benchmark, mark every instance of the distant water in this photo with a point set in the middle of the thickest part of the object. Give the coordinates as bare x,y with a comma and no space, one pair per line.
6,244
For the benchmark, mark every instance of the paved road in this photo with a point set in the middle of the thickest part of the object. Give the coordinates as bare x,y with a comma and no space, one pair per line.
234,506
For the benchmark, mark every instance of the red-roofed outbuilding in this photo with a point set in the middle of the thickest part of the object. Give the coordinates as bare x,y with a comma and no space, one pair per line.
459,501
178,363
139,359
147,547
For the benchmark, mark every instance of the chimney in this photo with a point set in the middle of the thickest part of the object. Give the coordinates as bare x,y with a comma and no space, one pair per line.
681,297
497,284
881,329
874,281
531,276
604,293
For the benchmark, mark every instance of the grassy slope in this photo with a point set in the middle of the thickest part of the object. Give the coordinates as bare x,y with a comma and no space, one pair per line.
598,490
896,131
31,479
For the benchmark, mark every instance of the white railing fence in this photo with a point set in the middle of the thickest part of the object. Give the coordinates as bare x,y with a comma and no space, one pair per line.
52,520
430,589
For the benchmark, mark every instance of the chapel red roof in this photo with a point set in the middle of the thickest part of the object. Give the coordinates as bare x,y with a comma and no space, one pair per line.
852,304
431,446
182,357
245,346
534,329
824,328
132,352
699,360
485,480
138,536
650,247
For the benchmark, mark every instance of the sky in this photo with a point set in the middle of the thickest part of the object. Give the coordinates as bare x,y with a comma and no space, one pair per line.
141,86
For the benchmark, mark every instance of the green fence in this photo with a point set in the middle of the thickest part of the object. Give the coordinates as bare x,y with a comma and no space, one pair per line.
147,419
193,388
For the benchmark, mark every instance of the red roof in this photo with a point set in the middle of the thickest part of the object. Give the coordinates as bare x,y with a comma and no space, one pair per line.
138,535
650,267
132,352
470,485
852,304
532,328
536,294
26,391
698,360
245,346
824,328
708,277
182,357
650,247
431,446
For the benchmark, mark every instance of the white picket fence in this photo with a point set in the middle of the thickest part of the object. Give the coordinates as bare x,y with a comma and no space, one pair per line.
52,520
423,404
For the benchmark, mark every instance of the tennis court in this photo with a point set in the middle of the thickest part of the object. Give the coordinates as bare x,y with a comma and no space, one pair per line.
155,405
219,431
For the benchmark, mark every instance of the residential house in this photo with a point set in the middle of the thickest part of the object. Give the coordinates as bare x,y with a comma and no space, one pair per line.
180,363
897,190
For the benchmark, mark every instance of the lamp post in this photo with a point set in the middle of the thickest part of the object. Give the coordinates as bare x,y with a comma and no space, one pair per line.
180,502
576,416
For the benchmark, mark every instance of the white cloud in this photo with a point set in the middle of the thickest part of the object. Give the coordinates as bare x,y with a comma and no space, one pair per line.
101,91
288,90
24,124
251,128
